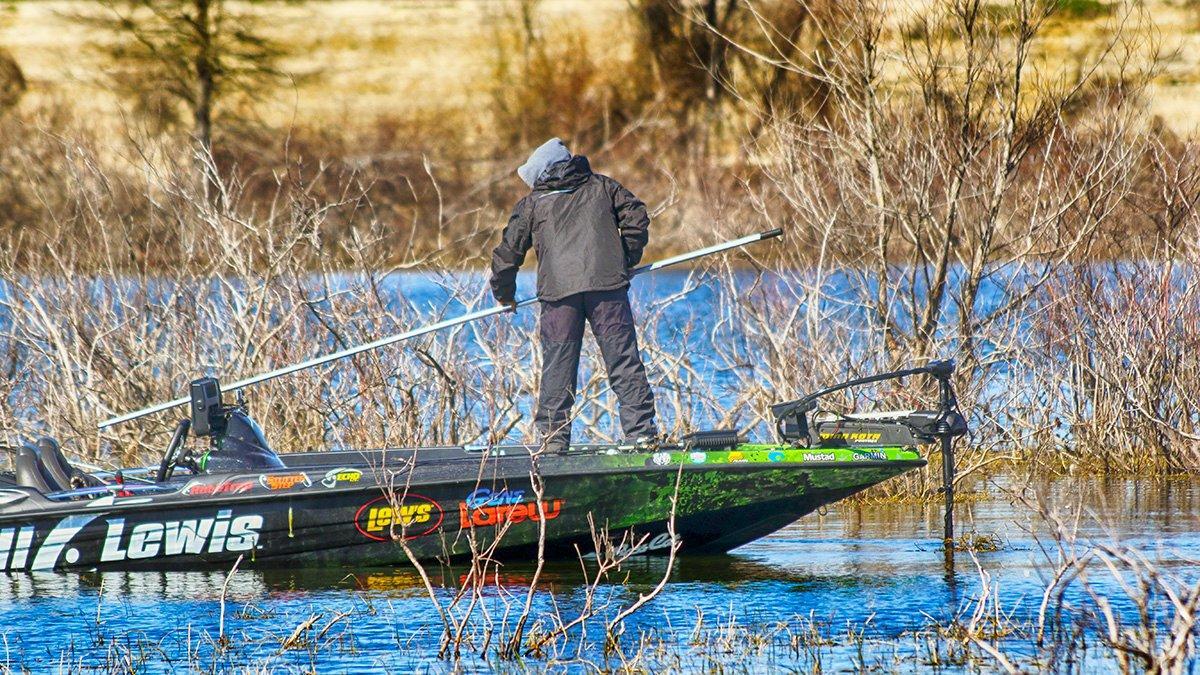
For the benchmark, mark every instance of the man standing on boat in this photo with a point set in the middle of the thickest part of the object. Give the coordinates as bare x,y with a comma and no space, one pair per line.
588,231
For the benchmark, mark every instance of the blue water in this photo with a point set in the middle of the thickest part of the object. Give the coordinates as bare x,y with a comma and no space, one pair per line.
877,571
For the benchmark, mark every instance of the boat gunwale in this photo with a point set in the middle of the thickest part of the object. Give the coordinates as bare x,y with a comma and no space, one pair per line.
62,507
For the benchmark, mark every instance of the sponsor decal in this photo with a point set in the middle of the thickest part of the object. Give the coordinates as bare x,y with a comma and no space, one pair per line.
877,454
415,516
285,481
194,536
343,475
737,456
851,436
819,457
229,487
775,456
661,458
698,457
499,514
484,497
658,543
124,540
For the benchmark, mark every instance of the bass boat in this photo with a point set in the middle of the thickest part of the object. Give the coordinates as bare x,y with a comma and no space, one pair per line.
221,494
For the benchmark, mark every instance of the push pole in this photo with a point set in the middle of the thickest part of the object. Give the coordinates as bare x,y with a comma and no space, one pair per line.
433,327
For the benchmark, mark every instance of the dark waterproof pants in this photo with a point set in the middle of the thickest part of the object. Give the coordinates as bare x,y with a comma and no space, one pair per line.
611,319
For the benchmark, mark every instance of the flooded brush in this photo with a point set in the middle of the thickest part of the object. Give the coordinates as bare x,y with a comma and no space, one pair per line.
974,542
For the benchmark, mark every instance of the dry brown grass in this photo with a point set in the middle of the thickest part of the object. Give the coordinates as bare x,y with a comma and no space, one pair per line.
354,60
358,59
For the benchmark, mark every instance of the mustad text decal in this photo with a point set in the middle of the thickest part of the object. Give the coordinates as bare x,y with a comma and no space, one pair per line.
123,540
415,516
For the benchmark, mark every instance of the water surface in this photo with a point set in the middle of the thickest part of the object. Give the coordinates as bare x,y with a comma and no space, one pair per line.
876,570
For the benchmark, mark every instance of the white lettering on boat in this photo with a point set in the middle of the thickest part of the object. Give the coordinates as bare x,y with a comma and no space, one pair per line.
16,542
625,549
52,547
221,533
179,537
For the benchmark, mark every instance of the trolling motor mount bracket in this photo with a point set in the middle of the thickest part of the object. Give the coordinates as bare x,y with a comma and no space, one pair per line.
792,424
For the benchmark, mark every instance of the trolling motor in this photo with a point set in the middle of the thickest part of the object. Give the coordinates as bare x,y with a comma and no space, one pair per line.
236,442
915,427
872,430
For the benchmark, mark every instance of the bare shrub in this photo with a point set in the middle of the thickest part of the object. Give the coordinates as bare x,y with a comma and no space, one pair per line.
12,81
927,213
548,80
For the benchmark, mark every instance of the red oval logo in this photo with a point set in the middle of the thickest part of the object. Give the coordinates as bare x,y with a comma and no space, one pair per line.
378,518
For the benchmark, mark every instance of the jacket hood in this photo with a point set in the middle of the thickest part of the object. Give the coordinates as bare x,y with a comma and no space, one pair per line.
543,157
566,175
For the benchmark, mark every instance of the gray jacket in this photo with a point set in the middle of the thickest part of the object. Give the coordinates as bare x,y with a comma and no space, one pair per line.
587,229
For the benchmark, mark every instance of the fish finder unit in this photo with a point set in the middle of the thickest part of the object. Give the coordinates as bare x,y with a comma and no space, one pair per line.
206,406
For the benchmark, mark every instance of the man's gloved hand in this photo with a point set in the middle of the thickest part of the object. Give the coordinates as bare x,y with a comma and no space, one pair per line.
509,303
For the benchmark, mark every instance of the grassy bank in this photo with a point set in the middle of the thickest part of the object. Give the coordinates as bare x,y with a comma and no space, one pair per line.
355,60
403,122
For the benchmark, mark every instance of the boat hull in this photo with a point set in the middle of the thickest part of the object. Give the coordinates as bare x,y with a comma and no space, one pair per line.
360,509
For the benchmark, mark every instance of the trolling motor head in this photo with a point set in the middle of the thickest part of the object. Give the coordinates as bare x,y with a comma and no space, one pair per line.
236,442
914,427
